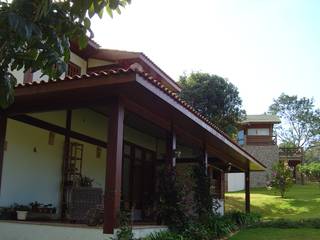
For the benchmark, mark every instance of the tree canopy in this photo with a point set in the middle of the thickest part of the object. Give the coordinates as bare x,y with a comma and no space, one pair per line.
214,97
300,120
36,34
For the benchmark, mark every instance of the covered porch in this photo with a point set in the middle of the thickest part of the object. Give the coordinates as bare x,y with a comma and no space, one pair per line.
137,126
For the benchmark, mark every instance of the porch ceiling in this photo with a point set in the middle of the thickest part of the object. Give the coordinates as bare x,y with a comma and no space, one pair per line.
141,95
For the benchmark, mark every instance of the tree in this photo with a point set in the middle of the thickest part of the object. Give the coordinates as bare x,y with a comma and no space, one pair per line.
300,120
281,177
214,97
36,34
311,170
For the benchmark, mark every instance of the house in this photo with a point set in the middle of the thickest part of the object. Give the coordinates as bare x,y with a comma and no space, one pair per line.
115,118
256,135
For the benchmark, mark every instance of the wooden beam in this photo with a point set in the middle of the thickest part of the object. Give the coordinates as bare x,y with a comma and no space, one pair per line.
3,128
57,129
114,168
247,189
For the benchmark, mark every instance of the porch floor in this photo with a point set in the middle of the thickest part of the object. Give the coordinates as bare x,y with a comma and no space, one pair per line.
53,230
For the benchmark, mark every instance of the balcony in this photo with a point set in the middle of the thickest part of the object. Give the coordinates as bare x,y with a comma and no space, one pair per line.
258,140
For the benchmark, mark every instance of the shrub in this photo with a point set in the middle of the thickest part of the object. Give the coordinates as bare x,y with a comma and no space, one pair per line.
202,197
171,208
311,170
286,223
244,219
281,177
125,231
165,235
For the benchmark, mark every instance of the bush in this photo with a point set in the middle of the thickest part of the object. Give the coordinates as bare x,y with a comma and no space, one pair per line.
202,197
281,177
167,235
125,230
311,170
244,219
171,208
285,223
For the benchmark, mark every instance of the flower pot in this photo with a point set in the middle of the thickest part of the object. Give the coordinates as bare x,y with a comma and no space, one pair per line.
22,215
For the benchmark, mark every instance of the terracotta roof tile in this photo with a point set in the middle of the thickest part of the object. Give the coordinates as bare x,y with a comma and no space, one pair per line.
148,77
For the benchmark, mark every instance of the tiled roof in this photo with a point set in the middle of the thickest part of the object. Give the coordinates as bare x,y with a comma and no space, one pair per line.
262,118
155,82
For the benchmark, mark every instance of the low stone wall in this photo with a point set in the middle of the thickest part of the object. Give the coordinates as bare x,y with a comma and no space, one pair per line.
267,155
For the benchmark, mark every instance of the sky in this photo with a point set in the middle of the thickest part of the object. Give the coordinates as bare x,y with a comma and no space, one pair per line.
263,47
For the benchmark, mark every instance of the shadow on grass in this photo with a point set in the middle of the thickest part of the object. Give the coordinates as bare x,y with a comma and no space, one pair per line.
300,202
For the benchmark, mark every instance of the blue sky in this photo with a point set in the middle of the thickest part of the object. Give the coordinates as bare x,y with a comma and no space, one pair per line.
264,47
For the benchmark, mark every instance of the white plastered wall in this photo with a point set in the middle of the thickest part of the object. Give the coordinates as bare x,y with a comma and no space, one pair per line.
92,62
32,167
235,182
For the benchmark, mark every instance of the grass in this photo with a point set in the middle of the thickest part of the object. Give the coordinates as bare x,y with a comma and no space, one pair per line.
302,201
278,234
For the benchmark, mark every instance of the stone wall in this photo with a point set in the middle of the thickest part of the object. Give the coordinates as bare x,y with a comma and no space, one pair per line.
267,155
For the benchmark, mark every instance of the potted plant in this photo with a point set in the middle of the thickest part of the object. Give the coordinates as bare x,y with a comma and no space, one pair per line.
22,211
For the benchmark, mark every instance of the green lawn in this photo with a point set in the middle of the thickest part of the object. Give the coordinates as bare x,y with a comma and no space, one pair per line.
302,201
278,234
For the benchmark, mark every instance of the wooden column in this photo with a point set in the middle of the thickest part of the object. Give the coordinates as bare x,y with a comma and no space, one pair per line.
171,148
66,154
3,128
113,168
247,188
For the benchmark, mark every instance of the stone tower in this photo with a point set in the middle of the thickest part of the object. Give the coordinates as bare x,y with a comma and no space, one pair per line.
256,135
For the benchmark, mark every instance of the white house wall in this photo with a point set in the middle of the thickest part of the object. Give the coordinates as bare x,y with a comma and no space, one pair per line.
235,182
79,61
92,62
32,167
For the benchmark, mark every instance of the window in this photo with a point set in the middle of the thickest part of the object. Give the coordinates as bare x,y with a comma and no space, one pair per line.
73,69
258,132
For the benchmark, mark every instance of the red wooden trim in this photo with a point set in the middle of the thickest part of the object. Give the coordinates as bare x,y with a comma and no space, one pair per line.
57,129
3,128
28,76
247,189
114,167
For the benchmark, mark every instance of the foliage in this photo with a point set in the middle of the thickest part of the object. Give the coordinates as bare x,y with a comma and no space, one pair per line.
19,207
281,177
125,230
214,227
36,34
164,235
312,153
300,120
312,170
287,223
201,191
171,208
244,219
214,97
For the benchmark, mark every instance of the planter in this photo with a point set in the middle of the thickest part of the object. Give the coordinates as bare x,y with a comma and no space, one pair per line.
22,215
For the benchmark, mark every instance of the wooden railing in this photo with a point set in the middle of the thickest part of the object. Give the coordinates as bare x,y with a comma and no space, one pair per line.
291,154
261,140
